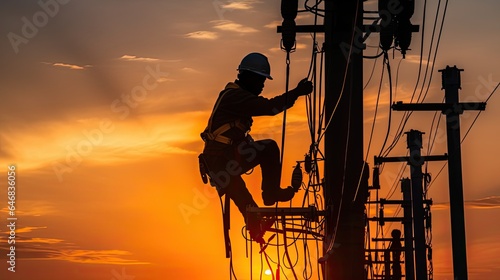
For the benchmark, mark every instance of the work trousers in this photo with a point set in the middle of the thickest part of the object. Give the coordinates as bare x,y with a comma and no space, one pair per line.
226,169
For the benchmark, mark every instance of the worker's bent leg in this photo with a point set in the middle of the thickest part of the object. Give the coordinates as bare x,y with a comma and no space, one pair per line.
267,154
239,193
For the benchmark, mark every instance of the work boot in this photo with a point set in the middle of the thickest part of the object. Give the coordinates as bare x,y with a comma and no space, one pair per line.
270,197
257,229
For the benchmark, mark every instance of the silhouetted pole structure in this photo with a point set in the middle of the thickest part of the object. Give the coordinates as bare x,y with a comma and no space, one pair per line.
414,141
451,84
408,229
344,140
452,108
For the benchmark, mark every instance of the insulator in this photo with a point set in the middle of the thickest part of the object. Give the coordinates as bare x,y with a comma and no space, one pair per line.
408,9
289,9
428,220
288,34
383,7
297,177
376,180
403,35
308,163
386,36
381,216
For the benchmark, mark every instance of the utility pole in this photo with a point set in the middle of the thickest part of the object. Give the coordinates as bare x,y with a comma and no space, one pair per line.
452,108
414,141
345,217
451,84
343,25
408,229
344,192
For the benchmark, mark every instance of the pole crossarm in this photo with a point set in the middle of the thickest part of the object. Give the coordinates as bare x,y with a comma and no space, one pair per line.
297,230
443,107
397,202
387,219
409,159
309,213
367,28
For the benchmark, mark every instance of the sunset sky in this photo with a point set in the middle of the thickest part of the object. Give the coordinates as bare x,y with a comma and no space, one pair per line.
102,103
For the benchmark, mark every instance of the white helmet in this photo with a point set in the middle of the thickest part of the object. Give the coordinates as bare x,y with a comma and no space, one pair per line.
257,63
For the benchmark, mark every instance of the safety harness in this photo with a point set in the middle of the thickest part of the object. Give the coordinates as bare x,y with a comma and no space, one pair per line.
216,135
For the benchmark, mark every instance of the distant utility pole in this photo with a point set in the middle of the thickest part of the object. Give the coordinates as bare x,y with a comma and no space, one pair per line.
415,144
452,108
413,205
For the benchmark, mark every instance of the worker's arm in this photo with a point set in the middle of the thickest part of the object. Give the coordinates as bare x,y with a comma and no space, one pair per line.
251,105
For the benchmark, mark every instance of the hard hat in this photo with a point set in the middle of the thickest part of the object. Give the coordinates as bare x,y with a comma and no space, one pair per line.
257,63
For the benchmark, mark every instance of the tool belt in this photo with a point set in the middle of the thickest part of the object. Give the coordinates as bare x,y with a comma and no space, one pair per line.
205,174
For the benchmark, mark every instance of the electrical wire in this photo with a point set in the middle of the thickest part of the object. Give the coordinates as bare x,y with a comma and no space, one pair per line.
429,54
389,75
406,115
372,71
371,131
231,267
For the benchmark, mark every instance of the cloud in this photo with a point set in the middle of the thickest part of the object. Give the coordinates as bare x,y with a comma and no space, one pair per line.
190,70
40,248
41,240
298,46
239,5
162,80
70,66
35,209
94,256
136,58
28,229
203,35
490,202
273,24
228,25
413,58
484,203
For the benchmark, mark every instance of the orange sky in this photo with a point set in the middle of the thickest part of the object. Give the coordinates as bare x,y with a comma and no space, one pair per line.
102,103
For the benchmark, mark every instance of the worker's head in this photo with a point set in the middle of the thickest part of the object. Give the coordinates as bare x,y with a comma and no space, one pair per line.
254,69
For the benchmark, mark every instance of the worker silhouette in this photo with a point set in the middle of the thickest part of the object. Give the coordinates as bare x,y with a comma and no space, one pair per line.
229,149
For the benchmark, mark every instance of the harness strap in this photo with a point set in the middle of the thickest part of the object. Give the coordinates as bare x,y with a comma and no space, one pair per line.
216,135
